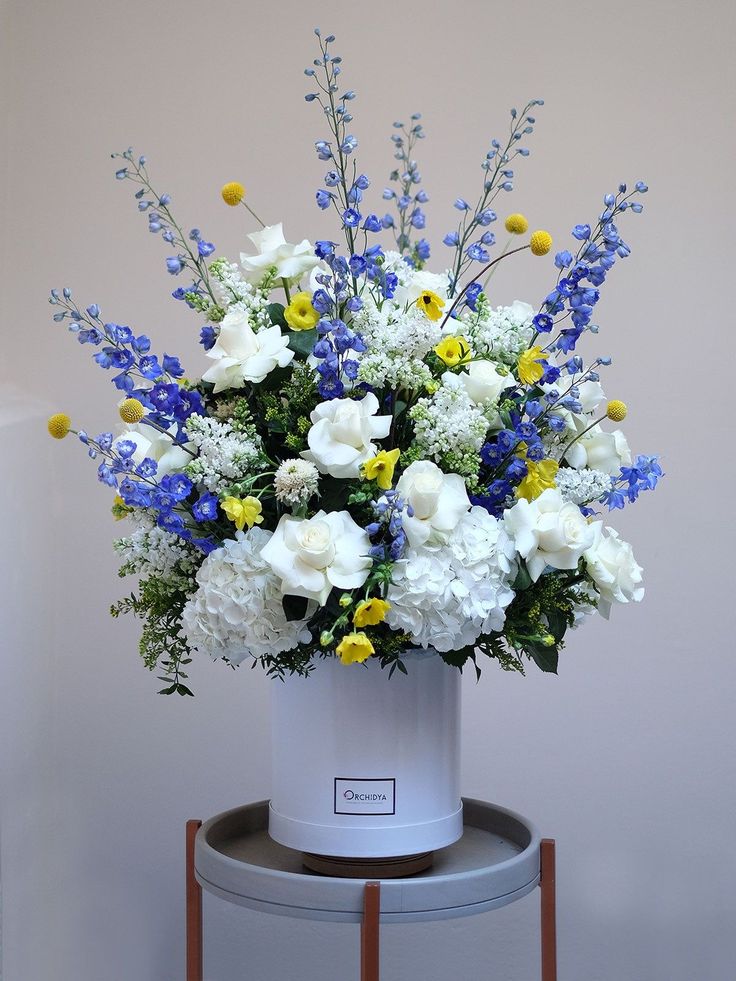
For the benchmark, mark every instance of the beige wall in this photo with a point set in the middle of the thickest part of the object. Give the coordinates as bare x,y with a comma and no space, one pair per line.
627,757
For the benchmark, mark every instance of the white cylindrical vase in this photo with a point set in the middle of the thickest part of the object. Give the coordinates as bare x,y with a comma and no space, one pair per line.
367,766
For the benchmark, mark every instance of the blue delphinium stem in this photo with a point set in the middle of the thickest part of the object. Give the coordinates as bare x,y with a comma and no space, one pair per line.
408,200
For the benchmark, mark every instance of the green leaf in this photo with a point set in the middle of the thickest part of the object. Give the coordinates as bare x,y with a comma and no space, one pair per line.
557,624
276,313
302,341
545,658
523,579
295,607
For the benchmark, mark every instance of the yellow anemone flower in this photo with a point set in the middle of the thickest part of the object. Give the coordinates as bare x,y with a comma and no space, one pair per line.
431,304
370,612
300,314
232,193
453,351
245,511
539,477
381,468
530,370
516,224
59,425
354,648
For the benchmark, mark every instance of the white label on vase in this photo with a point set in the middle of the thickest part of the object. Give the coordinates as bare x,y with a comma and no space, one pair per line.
370,796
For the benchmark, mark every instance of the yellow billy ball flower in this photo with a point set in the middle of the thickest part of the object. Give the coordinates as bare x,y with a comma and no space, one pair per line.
381,468
540,243
354,648
431,304
300,314
453,351
530,370
516,224
539,477
232,193
131,410
370,612
59,425
245,511
616,410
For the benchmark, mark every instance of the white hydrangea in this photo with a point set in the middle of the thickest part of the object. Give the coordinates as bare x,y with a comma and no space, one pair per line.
235,294
447,597
295,481
449,427
582,486
225,455
501,333
236,612
151,551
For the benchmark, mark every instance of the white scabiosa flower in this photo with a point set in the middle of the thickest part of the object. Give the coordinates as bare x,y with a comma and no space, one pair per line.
548,531
611,565
241,355
236,612
295,481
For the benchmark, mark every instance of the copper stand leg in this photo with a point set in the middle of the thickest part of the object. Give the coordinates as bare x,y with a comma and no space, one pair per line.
369,932
194,910
549,919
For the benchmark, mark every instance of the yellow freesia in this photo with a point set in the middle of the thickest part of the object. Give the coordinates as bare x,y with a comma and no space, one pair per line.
300,314
453,351
530,370
354,648
431,304
242,512
370,612
539,477
381,468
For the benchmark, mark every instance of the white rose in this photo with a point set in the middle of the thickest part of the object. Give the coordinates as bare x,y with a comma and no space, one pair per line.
612,567
600,450
342,432
548,531
311,555
290,261
419,281
438,500
482,382
241,355
171,457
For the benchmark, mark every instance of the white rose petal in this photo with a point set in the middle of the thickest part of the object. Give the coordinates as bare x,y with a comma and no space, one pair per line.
161,447
242,355
438,501
612,567
548,531
342,434
274,252
600,450
482,382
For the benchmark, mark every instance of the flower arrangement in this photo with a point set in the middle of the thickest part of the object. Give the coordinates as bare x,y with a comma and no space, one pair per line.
375,459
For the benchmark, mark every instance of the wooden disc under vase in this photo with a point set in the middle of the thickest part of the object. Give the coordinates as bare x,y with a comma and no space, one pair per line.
395,867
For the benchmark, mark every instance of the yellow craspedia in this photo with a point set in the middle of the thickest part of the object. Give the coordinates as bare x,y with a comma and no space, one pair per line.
59,425
540,242
243,512
300,314
354,648
539,477
232,193
453,350
381,468
370,612
131,410
516,224
431,304
529,368
616,410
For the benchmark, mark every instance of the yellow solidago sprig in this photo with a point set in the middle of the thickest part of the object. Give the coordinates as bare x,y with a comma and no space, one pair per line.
516,224
540,476
529,367
540,242
381,468
354,648
431,304
243,511
453,351
300,314
370,612
59,425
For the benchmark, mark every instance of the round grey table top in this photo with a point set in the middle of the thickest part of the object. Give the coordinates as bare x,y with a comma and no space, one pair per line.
494,863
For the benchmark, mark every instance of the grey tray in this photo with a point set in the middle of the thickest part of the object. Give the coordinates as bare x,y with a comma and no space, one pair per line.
496,862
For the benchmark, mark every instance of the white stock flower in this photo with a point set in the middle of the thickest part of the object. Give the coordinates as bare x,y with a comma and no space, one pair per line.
161,447
420,280
612,567
341,436
311,555
548,531
600,450
482,381
274,252
236,611
240,354
437,499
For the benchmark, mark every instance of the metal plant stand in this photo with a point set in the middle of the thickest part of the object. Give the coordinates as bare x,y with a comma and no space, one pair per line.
499,859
